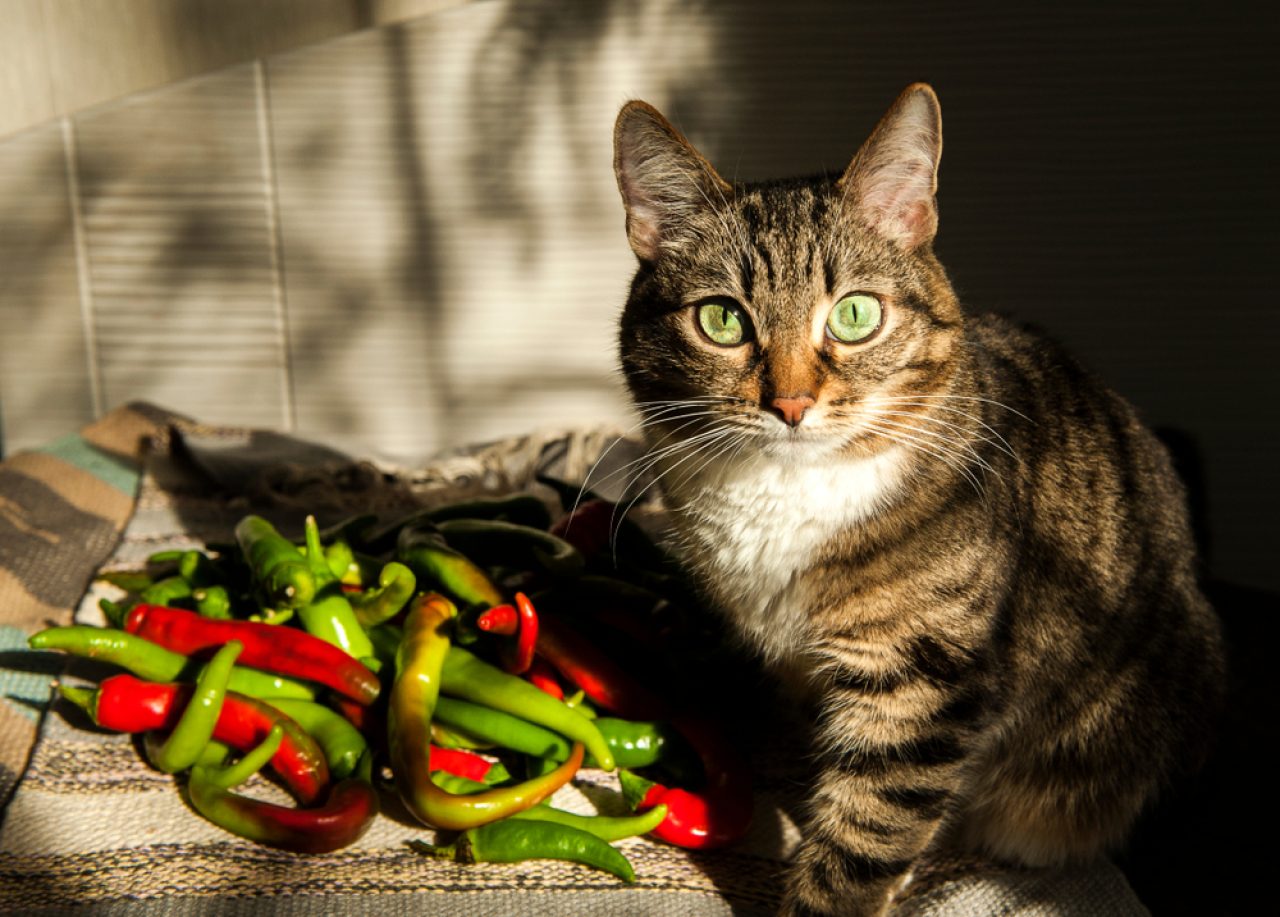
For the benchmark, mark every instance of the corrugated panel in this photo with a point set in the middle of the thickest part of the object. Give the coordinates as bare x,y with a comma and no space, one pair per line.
180,251
46,388
452,234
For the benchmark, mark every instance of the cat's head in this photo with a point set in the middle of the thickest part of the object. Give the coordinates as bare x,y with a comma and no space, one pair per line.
796,317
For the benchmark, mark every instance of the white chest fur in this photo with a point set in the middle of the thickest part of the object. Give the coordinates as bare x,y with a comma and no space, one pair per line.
750,527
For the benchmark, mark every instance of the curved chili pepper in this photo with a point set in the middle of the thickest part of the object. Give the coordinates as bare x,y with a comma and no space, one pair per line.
715,816
501,620
342,563
266,646
517,841
477,721
542,677
412,704
155,663
344,817
489,541
341,742
520,508
166,591
278,566
199,716
127,704
522,657
374,606
470,678
605,827
424,551
604,681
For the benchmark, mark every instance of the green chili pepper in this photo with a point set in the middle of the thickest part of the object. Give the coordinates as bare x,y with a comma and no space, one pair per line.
215,754
605,827
341,742
213,602
424,551
477,721
155,663
197,569
520,508
166,591
493,542
342,563
396,585
346,814
128,580
278,566
467,677
514,841
411,707
195,728
329,615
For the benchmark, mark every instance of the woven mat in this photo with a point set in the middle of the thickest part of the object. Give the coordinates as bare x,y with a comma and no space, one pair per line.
88,827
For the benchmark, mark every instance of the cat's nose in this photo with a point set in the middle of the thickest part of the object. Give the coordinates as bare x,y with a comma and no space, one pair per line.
791,410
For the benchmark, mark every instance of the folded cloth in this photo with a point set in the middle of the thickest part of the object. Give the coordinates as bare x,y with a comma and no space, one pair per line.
92,829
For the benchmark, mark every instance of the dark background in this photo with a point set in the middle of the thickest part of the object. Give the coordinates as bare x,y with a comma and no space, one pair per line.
1108,174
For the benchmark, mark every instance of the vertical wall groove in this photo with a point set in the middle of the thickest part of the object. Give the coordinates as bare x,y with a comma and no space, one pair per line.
94,365
275,242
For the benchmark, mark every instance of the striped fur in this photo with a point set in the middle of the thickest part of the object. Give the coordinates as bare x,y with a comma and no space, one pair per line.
968,550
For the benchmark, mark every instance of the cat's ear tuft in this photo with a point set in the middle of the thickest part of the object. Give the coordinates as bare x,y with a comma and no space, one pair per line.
663,179
893,179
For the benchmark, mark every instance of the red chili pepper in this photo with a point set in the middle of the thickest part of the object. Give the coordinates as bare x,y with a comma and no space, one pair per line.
589,527
542,675
340,821
459,763
603,680
266,646
527,639
128,704
500,619
715,816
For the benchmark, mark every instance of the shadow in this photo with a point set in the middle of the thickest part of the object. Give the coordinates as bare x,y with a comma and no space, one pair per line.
1198,852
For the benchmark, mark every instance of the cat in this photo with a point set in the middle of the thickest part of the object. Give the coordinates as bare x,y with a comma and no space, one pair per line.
966,547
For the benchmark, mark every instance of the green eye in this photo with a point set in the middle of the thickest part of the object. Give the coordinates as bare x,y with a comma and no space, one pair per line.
855,318
723,323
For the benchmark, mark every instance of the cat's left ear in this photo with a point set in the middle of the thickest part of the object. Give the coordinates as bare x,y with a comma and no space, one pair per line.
662,178
893,179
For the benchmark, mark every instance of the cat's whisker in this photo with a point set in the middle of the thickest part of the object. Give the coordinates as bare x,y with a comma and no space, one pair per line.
962,451
961,433
636,468
990,401
696,448
911,402
669,406
941,455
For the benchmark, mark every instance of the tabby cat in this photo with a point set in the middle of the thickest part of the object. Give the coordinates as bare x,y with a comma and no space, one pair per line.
962,544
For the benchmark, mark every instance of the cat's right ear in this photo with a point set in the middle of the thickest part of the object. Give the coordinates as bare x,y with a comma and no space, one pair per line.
663,179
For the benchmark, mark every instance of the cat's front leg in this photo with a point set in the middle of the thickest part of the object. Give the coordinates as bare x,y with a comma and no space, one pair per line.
894,747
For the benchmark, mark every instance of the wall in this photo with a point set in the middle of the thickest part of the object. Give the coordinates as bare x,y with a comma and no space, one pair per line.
409,238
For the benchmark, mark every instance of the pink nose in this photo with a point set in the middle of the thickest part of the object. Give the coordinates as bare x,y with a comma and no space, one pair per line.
791,410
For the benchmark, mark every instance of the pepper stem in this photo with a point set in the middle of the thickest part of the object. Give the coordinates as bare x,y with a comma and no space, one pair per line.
81,697
436,851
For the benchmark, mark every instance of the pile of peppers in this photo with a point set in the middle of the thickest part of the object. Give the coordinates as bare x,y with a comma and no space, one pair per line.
431,657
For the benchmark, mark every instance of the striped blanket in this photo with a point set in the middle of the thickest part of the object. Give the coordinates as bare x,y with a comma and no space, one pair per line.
88,827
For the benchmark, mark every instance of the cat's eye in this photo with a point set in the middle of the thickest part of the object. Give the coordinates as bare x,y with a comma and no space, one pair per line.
854,318
724,323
